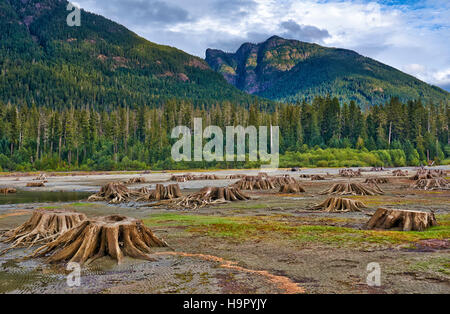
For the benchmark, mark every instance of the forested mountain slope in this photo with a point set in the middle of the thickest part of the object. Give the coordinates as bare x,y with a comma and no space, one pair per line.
100,63
291,70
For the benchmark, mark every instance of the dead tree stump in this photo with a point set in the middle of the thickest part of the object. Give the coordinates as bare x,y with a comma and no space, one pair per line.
404,220
206,197
161,192
292,188
254,183
431,184
376,180
8,191
135,180
341,205
116,236
351,189
35,184
399,173
113,192
43,226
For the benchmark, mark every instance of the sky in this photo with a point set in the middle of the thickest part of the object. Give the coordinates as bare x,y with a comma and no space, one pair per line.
410,35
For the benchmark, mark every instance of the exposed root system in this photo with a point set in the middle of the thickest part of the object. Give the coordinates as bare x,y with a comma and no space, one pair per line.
190,177
341,205
292,188
428,174
136,180
41,177
352,189
161,192
405,220
399,173
43,226
350,173
116,236
432,184
206,197
8,190
376,180
113,193
254,183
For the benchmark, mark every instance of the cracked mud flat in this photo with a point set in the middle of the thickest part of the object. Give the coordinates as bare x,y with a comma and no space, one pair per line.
273,243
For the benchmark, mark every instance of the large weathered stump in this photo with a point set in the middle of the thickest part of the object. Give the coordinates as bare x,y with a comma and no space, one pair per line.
116,236
399,173
292,188
397,219
135,180
254,183
351,189
377,180
8,191
206,197
350,173
341,205
113,192
161,192
431,184
43,226
428,174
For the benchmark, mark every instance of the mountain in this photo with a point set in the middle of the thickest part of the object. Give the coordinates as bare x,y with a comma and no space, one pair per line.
46,62
290,70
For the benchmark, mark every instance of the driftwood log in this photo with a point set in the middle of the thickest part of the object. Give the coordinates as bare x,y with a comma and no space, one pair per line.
8,190
432,184
161,192
115,236
292,188
341,205
404,220
317,178
352,189
43,226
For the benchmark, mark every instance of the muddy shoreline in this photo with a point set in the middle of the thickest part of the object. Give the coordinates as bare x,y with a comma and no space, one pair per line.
271,236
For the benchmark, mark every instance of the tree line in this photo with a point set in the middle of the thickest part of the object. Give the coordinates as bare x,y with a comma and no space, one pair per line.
327,132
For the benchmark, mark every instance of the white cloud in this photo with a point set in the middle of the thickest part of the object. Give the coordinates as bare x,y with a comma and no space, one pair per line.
415,39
